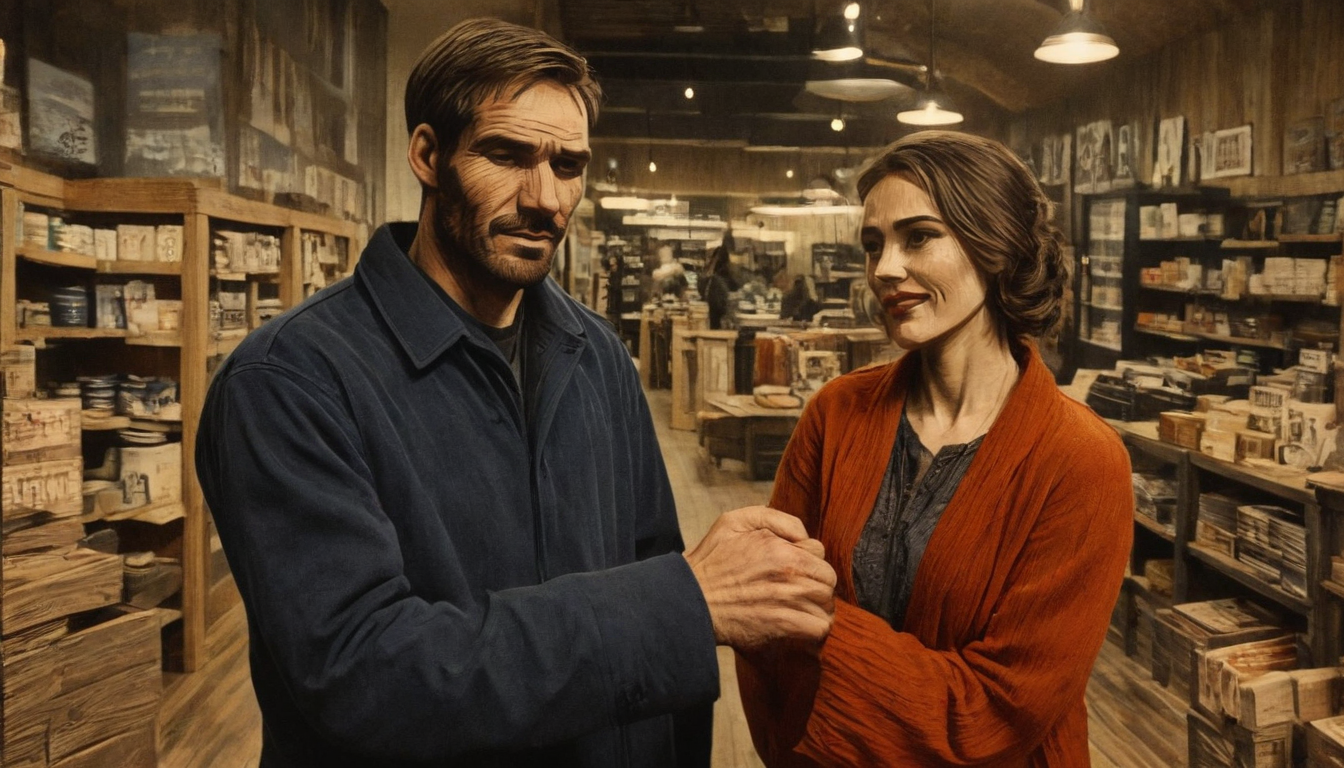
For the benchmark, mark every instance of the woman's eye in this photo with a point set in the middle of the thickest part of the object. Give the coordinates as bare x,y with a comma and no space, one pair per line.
919,238
872,248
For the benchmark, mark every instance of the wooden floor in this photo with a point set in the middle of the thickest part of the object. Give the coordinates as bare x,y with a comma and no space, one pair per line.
210,718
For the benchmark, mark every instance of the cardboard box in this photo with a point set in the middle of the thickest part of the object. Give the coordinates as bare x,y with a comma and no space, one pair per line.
40,430
18,372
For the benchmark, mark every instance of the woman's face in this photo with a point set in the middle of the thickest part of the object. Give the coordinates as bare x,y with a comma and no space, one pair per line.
928,288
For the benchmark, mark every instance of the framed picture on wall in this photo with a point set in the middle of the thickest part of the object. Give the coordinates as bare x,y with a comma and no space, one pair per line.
1126,147
1334,134
1170,143
1304,146
1105,156
1232,152
1084,180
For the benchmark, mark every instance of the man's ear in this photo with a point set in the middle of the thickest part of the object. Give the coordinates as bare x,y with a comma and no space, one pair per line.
422,154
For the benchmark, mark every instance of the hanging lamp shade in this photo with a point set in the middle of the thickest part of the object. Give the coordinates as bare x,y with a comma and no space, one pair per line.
1079,39
933,108
838,40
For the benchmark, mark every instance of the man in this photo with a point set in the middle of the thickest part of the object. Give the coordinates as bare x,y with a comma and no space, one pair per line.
438,485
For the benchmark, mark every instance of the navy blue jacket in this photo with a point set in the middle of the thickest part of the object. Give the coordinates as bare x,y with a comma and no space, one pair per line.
432,578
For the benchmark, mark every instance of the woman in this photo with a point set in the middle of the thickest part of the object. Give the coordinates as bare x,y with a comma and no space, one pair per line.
717,283
979,520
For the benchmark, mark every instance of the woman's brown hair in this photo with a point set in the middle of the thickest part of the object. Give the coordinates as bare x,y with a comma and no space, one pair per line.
997,212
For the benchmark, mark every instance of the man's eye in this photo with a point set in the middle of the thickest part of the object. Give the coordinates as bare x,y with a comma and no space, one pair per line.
501,157
568,169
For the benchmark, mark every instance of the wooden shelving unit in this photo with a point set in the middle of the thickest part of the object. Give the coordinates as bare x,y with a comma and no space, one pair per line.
200,206
1200,573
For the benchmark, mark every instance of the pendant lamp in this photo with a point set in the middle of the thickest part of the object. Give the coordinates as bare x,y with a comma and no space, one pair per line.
1078,39
839,38
933,107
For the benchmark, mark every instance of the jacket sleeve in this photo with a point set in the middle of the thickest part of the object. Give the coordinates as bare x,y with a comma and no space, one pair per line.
373,666
876,696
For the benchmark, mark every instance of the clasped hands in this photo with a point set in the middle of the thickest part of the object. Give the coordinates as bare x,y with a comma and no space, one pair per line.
764,580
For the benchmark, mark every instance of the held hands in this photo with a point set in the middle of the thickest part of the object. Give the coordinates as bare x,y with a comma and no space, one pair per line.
764,579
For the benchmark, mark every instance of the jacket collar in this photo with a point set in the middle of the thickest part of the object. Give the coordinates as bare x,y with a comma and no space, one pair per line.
423,326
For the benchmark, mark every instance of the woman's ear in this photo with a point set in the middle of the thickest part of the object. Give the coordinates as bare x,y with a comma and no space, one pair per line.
422,154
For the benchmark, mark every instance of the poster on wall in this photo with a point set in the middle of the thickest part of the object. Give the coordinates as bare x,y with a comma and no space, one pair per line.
1089,145
1170,142
174,106
1126,150
11,123
1104,159
1304,146
60,114
1232,152
1334,134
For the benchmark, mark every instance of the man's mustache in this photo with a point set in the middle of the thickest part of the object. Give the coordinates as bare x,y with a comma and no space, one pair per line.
521,223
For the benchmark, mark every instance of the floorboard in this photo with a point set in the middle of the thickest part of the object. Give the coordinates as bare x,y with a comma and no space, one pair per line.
209,719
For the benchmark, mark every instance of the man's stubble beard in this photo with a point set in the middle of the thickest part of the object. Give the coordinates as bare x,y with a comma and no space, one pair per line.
462,245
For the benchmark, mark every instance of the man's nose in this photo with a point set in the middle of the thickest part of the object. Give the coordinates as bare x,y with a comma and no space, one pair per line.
539,192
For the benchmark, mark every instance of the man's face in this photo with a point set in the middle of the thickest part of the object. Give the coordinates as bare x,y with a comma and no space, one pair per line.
507,191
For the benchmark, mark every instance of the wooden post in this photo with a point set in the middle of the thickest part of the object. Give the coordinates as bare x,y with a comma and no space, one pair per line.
291,267
195,339
9,217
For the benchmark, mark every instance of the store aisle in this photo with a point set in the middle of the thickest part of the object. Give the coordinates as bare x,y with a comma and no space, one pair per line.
210,719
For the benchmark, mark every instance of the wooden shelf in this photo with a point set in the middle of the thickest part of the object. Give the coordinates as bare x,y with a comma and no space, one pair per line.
1237,340
105,424
56,258
1290,484
1331,238
1293,297
1183,291
54,332
167,615
1154,526
139,267
242,277
1112,348
1247,578
156,339
1108,307
1250,244
156,514
1166,334
1196,239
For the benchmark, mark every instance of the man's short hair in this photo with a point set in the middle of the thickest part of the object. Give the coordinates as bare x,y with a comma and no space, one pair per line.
475,61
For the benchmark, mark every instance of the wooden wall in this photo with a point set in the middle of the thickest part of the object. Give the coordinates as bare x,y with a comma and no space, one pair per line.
1269,69
332,56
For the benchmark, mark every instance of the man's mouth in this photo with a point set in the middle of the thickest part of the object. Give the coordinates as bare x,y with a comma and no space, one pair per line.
527,234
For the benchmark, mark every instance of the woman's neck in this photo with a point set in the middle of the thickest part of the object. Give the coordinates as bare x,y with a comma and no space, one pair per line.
963,382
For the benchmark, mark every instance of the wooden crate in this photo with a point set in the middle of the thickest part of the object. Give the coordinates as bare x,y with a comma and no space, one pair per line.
18,372
42,588
47,486
1325,743
37,533
1224,744
1180,640
40,430
151,475
93,696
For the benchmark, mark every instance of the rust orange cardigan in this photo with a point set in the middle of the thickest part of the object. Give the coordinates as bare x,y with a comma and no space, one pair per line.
1010,603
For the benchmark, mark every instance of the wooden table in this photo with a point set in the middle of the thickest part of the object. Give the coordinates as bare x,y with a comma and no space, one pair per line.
740,429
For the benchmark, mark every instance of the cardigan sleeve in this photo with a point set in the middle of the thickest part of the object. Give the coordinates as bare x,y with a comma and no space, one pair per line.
878,696
776,714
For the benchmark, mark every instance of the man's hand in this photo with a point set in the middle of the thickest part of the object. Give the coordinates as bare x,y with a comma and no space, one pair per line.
764,579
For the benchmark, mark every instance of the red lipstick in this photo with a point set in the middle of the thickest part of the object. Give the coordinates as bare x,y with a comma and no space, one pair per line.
900,303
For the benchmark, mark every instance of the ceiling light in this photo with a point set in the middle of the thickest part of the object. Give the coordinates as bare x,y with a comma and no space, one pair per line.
788,174
653,167
690,92
933,108
838,124
838,39
856,88
807,210
852,11
619,203
1078,39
